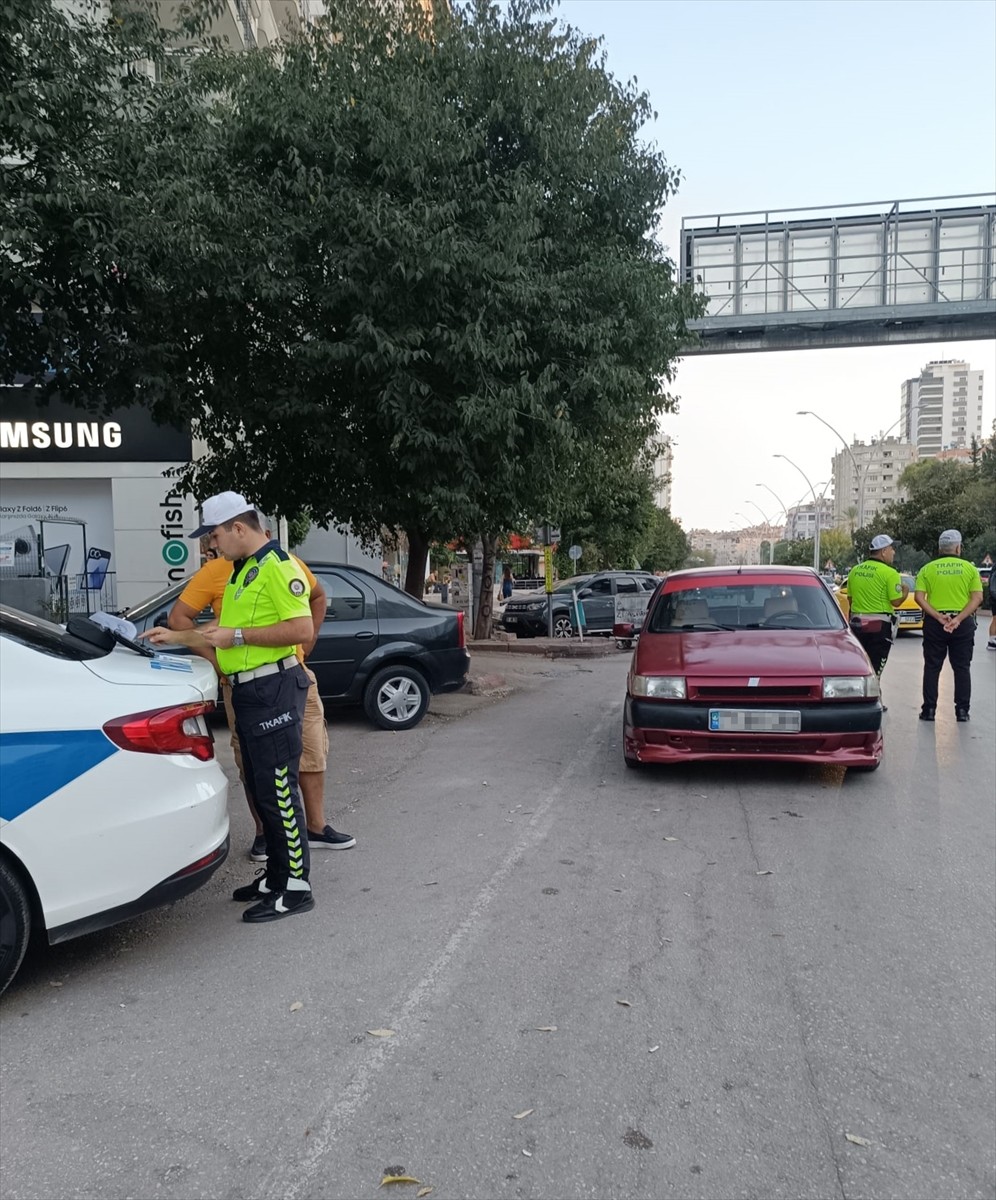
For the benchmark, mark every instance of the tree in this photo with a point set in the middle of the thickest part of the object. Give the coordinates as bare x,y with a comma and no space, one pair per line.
942,495
401,276
666,547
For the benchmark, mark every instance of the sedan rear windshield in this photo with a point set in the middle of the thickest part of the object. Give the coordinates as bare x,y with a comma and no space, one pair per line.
746,606
44,636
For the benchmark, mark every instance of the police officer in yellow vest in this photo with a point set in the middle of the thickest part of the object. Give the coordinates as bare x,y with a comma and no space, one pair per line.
949,590
874,588
264,616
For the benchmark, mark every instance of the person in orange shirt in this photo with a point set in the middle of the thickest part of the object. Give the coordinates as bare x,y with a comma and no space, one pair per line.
205,588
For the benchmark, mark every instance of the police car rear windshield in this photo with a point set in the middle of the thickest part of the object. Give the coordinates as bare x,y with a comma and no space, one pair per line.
44,636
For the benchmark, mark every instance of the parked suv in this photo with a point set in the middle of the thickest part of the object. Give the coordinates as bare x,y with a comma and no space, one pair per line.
378,646
527,616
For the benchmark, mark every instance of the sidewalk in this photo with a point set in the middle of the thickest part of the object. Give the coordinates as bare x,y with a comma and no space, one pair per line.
547,647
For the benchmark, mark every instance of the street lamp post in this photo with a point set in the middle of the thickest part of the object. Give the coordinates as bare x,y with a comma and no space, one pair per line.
816,506
858,473
770,529
781,505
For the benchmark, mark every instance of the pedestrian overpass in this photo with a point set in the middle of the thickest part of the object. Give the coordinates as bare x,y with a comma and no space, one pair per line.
851,275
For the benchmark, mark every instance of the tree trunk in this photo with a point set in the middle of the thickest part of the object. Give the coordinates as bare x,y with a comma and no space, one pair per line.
486,590
418,554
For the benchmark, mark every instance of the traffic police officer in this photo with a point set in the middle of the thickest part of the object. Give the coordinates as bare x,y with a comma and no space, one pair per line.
949,590
264,616
874,588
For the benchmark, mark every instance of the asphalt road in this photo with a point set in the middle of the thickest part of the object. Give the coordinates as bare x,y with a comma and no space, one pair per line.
694,982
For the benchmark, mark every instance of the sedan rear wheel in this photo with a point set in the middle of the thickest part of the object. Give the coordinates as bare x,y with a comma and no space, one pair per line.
15,924
562,627
396,698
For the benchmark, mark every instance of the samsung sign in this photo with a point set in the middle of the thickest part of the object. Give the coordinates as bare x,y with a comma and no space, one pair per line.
56,432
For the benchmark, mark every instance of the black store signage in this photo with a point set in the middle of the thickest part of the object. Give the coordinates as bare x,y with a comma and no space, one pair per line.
34,431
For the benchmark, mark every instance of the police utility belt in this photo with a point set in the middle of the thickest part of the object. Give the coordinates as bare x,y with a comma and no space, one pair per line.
284,664
873,622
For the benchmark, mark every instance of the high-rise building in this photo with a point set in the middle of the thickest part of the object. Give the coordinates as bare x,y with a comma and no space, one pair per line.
662,475
942,407
800,521
859,494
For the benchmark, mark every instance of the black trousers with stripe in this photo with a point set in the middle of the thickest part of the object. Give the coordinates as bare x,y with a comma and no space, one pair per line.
268,713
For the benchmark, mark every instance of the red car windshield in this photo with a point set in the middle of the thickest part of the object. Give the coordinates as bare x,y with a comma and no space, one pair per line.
739,602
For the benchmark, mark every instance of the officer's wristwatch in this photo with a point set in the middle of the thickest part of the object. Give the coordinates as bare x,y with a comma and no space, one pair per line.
238,639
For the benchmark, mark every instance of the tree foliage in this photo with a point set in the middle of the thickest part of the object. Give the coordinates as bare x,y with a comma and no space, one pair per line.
397,275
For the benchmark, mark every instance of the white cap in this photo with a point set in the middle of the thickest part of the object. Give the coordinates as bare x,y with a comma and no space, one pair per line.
950,537
880,541
216,510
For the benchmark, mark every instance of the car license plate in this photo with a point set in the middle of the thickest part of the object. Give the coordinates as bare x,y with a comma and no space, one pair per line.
752,720
510,619
908,618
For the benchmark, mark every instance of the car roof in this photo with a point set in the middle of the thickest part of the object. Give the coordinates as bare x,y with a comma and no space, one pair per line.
756,571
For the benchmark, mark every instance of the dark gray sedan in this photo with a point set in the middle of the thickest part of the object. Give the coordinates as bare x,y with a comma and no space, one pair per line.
378,648
526,616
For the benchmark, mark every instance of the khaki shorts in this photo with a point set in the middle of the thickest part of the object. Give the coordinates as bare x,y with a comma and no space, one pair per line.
314,731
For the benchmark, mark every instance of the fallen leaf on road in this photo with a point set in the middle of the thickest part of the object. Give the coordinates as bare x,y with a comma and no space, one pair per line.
381,1032
655,810
764,872
653,1049
399,1179
55,983
670,839
546,1028
296,1006
525,1113
858,1141
528,1153
422,1192
484,783
624,1003
433,884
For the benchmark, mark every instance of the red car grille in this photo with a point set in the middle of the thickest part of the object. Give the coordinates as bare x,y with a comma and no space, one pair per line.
750,696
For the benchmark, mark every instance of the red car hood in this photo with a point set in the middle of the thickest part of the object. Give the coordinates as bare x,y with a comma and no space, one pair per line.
782,653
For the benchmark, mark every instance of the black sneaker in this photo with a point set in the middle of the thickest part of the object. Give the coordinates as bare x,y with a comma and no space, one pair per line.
961,714
253,891
257,851
279,904
329,839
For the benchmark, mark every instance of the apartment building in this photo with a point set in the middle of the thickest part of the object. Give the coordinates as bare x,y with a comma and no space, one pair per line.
737,547
866,479
662,475
942,408
800,521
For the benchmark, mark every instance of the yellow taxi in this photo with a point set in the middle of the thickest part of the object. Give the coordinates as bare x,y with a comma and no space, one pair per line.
910,616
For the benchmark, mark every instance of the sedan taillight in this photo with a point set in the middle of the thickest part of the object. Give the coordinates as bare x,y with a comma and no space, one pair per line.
181,729
461,637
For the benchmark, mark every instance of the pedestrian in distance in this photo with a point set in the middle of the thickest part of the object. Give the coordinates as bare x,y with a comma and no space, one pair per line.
507,586
206,588
265,615
874,588
948,590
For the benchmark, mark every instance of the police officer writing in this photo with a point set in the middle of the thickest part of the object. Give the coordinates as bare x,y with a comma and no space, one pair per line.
265,615
874,588
949,590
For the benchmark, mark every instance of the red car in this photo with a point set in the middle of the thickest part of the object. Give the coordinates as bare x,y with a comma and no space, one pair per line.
750,662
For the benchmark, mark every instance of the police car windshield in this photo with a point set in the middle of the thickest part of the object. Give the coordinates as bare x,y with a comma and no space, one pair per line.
44,636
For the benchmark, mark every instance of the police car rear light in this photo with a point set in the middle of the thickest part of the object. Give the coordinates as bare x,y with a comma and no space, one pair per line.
180,729
461,639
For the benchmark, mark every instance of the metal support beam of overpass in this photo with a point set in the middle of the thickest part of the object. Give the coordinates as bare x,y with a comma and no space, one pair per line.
855,275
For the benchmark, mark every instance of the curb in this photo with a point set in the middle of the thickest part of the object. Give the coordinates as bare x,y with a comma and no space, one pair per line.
547,648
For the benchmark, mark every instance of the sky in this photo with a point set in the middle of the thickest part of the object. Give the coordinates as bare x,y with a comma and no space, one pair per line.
787,104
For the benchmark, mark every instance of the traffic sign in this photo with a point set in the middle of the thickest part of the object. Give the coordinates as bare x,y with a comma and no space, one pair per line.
548,567
574,553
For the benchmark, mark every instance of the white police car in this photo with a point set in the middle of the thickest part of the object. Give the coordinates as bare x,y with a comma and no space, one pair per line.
111,800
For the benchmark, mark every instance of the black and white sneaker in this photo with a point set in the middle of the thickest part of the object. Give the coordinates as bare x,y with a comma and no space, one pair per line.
257,851
329,839
253,891
279,904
